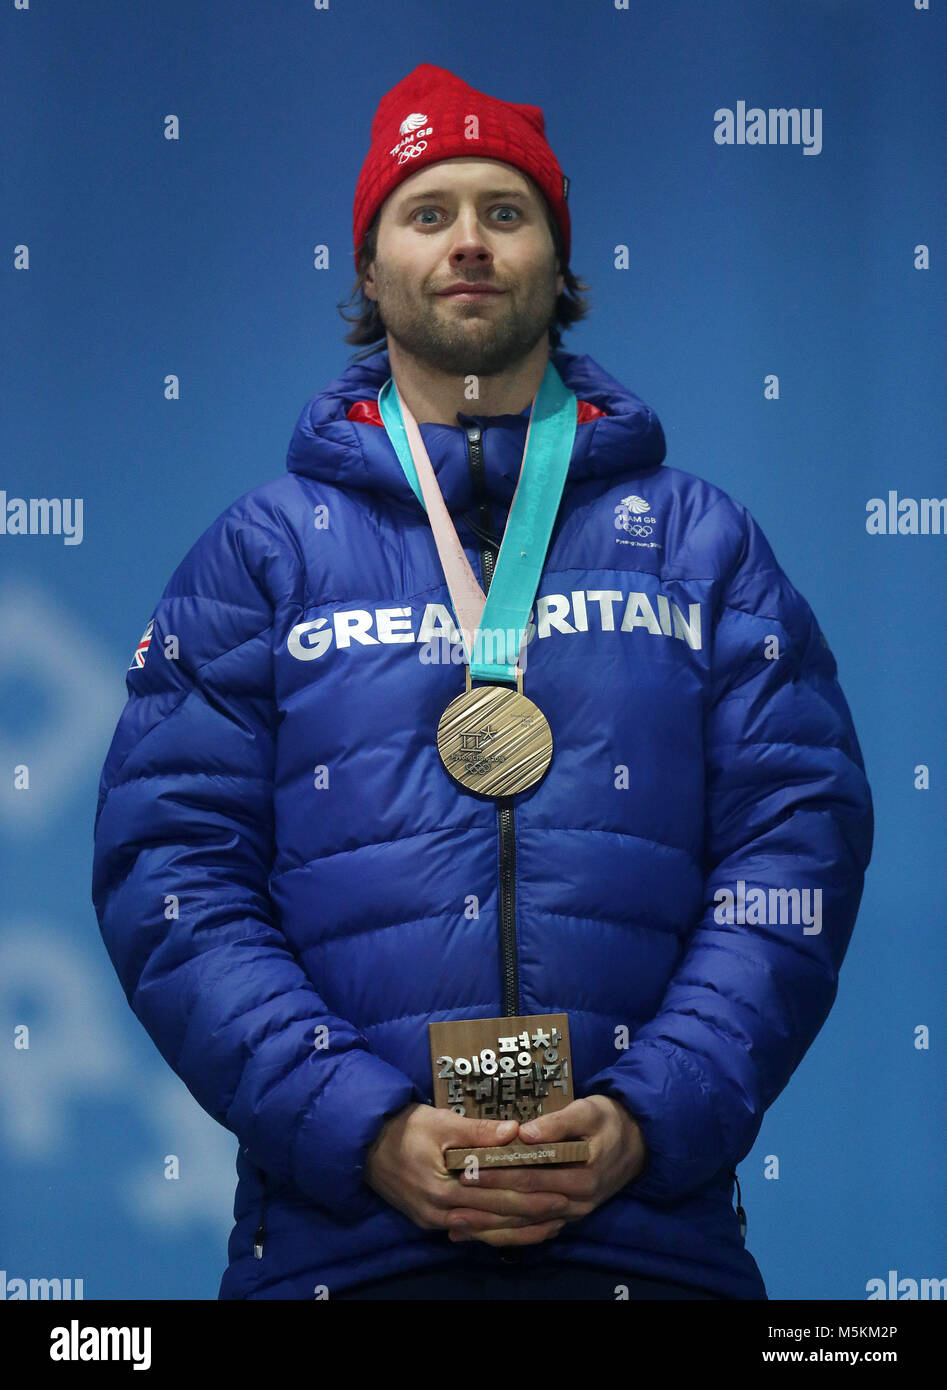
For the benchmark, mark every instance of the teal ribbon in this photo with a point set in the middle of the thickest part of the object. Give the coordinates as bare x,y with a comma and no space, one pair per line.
529,525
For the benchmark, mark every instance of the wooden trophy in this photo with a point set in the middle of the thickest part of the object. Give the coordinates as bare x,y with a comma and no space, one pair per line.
505,1069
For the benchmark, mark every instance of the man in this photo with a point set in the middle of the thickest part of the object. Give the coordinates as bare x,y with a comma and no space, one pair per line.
292,885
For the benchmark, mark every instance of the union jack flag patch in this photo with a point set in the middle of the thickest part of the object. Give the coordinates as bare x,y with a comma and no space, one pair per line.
142,649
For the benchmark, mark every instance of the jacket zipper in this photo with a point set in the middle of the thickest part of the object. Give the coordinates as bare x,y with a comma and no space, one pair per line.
261,1229
505,820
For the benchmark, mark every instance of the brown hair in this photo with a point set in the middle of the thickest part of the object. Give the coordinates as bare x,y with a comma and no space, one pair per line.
369,327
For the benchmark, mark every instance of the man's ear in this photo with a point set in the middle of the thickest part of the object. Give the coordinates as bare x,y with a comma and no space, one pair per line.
369,280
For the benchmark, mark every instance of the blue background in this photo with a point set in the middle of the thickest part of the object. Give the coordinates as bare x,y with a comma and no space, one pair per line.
195,257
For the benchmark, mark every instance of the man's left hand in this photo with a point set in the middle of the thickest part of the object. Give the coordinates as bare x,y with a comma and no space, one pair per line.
617,1155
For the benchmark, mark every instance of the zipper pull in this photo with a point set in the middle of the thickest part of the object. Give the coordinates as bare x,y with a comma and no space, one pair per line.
261,1229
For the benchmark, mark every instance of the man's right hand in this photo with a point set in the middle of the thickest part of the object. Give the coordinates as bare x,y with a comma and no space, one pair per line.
405,1166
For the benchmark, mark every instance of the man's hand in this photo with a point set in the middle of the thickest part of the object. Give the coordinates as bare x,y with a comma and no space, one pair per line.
617,1155
405,1166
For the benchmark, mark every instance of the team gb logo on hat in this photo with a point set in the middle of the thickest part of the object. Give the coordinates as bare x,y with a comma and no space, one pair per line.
412,128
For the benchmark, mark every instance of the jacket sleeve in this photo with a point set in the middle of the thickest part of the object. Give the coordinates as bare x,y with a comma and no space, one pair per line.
183,850
788,807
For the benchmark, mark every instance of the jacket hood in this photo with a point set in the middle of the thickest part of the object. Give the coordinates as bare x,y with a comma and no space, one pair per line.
328,446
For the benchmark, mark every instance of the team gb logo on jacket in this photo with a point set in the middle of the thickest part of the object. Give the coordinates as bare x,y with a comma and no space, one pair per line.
633,515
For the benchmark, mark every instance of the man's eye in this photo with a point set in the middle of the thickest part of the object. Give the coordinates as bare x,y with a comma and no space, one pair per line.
502,207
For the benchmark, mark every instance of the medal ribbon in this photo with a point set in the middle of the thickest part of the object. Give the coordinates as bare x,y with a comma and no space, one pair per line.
504,612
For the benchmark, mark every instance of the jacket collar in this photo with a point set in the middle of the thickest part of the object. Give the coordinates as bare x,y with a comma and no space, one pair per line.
328,446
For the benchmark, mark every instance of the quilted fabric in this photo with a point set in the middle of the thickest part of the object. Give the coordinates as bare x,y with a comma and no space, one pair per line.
279,849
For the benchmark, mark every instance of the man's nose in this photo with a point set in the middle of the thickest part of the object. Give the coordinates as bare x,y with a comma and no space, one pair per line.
468,240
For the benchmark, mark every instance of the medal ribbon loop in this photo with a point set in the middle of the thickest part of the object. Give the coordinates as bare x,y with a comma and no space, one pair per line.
493,626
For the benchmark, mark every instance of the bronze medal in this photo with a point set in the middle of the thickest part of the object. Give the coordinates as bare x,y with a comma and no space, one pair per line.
493,740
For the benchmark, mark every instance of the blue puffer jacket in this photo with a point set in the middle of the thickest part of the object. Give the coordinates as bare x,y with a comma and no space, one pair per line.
279,851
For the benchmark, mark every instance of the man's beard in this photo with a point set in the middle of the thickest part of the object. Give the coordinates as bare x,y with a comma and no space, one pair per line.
493,345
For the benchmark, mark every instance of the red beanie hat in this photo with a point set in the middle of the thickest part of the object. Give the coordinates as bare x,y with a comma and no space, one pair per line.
427,118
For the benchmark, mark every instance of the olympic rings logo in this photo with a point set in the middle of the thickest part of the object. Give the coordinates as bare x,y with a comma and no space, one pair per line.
412,151
636,529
